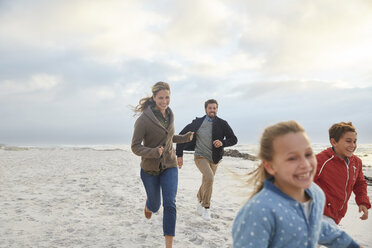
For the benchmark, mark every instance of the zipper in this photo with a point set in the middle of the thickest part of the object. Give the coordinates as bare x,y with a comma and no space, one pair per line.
347,181
321,169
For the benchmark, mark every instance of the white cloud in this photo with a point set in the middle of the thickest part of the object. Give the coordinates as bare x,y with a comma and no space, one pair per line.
36,82
205,37
196,25
132,88
211,67
43,82
105,30
263,60
105,94
313,38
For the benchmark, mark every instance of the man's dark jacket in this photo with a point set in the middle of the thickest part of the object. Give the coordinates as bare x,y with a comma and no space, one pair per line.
220,131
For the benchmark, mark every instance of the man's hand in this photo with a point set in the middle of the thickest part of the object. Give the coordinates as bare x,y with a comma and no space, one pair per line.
363,209
180,162
217,143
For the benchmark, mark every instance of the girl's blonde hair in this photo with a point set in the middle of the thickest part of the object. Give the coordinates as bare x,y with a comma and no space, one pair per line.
266,151
147,101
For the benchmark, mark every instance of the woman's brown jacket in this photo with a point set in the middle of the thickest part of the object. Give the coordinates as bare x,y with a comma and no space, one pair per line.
149,135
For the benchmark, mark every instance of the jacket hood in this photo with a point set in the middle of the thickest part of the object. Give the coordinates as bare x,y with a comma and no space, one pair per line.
149,114
329,152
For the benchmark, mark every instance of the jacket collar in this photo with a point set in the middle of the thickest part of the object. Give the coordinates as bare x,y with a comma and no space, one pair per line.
209,119
331,152
148,112
269,185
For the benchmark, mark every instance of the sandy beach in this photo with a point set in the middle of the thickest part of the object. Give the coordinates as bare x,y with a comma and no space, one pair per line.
84,197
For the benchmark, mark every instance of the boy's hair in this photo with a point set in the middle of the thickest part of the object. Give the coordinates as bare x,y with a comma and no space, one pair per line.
210,101
338,129
266,151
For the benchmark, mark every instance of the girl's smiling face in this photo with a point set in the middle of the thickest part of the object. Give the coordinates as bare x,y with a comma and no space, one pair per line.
293,165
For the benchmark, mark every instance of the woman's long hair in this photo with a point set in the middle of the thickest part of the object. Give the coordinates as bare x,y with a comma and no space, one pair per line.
148,101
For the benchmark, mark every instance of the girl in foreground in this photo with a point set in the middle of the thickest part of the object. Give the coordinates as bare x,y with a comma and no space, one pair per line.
286,207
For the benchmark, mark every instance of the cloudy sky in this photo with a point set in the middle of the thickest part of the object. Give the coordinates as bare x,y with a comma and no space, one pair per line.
69,70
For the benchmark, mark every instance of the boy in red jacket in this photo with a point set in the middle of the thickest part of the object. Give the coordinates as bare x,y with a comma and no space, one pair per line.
339,172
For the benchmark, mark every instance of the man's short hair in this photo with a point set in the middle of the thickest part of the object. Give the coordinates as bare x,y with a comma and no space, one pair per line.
338,129
210,101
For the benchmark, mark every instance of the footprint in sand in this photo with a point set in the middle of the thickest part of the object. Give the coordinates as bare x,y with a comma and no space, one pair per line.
196,239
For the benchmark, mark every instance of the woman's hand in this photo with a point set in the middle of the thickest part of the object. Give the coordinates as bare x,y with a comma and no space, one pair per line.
191,136
161,150
180,162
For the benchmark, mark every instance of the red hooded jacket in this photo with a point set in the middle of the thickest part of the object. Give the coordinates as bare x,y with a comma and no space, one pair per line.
338,180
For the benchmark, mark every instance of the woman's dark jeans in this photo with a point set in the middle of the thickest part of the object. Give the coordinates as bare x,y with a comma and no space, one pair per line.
167,181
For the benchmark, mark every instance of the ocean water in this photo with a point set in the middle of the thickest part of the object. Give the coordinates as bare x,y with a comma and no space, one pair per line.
363,151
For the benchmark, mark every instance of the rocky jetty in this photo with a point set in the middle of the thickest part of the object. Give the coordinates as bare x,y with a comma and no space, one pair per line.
237,154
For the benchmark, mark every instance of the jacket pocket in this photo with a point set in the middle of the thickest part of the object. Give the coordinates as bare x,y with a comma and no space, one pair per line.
151,164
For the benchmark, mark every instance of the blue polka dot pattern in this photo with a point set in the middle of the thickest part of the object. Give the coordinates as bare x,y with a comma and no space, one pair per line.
274,219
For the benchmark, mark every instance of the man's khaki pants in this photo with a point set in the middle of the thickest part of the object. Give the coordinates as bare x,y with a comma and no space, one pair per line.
208,169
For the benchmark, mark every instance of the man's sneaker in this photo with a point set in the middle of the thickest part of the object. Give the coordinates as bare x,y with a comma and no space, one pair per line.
199,209
206,214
